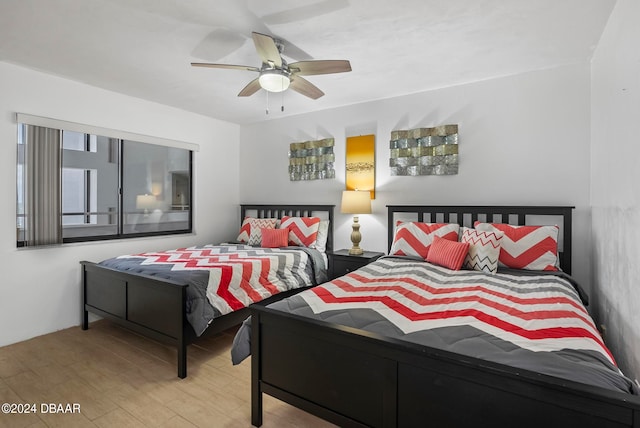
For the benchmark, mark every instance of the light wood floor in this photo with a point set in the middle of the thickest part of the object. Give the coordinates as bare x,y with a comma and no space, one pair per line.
120,379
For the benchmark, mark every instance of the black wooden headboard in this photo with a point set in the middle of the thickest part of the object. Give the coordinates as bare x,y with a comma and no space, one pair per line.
466,215
325,212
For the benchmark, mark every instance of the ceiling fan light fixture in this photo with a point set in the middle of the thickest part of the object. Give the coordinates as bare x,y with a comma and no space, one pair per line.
274,81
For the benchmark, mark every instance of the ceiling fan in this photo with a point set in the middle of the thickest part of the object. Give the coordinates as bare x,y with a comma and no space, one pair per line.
275,75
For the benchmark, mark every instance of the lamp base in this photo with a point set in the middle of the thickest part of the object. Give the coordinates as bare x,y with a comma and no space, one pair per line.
356,237
356,251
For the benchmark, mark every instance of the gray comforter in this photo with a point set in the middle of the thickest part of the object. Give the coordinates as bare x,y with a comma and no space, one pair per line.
523,319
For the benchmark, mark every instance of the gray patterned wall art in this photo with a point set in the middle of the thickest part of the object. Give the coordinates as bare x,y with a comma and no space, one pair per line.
311,160
424,151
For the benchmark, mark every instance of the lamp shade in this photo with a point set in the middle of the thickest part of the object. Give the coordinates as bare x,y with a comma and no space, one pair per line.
356,202
145,202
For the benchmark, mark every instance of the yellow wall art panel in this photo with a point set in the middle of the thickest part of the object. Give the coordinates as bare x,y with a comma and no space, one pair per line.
361,163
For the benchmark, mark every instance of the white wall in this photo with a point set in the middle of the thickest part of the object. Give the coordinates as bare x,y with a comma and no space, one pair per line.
523,140
40,291
615,175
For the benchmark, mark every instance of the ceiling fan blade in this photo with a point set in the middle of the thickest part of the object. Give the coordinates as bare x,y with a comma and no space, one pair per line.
308,68
219,43
250,89
233,67
267,49
301,13
305,87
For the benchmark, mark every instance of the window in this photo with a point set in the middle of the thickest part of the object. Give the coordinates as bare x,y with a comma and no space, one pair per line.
90,186
151,198
75,186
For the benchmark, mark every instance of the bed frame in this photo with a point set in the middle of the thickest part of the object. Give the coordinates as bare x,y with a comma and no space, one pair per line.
356,378
156,308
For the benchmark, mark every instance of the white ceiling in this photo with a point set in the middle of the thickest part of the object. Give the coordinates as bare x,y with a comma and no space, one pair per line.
143,48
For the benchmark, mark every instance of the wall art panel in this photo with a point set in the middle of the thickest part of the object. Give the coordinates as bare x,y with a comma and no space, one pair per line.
424,151
311,160
360,163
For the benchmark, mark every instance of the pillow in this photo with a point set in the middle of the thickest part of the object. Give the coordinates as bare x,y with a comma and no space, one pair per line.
526,247
250,230
484,249
414,238
450,254
303,231
323,236
275,238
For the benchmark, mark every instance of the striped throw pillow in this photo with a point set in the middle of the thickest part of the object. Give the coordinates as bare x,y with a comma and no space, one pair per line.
275,238
450,254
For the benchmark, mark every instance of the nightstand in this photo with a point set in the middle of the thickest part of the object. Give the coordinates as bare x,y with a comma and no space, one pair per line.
341,262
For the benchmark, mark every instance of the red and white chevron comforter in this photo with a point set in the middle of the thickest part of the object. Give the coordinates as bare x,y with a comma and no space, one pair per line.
532,321
225,278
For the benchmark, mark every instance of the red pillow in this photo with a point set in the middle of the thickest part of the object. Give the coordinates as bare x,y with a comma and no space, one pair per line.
414,238
274,238
303,231
449,254
526,247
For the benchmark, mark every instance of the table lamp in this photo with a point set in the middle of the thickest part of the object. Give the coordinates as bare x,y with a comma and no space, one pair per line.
145,202
356,202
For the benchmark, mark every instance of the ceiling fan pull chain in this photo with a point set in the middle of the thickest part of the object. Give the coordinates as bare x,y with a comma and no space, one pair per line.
282,102
267,102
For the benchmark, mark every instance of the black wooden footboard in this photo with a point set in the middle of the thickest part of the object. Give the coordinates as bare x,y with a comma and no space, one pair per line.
355,378
152,307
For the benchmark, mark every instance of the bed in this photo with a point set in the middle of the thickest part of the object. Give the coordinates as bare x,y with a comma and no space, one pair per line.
353,367
163,295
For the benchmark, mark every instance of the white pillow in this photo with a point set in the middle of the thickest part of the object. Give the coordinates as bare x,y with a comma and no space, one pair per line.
323,235
484,249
